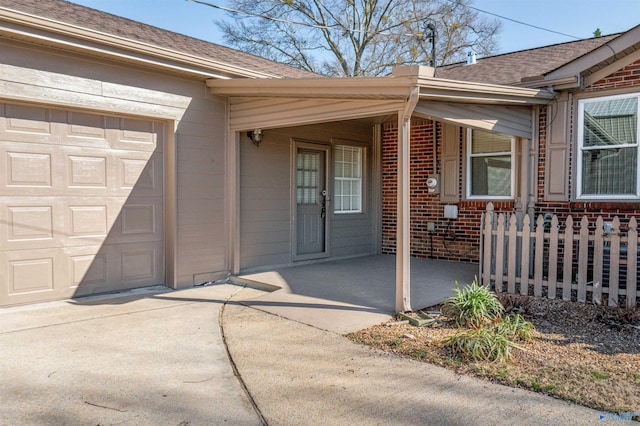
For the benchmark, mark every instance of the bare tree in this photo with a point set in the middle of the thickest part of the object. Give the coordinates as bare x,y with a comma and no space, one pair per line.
357,37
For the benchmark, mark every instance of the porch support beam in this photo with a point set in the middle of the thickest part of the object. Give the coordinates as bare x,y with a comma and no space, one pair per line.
403,213
232,198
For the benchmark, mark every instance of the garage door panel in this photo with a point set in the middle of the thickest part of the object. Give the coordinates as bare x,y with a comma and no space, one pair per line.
116,267
27,169
87,170
89,270
28,119
141,263
86,126
139,220
29,275
135,135
81,203
40,169
141,176
35,124
29,223
89,221
33,222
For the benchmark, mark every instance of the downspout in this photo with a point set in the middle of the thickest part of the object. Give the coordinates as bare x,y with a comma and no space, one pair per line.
403,212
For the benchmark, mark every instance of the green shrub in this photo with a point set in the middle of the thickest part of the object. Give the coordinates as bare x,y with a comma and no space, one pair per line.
490,337
473,306
481,344
515,327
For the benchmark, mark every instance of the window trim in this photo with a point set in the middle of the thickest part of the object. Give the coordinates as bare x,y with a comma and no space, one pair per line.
580,143
363,174
469,156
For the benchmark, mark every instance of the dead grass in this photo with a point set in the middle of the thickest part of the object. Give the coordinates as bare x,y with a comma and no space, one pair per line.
582,353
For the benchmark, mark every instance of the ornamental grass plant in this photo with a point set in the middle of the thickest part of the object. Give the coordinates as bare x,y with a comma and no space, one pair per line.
486,334
473,306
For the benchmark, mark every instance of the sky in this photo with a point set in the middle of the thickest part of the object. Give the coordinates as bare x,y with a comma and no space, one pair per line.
578,18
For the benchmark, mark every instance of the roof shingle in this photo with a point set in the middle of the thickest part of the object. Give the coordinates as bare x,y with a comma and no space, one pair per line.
511,68
84,17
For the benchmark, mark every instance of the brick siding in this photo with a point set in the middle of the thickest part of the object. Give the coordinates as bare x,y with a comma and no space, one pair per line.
458,239
628,77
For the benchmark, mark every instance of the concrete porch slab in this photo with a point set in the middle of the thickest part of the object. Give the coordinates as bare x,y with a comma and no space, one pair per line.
348,295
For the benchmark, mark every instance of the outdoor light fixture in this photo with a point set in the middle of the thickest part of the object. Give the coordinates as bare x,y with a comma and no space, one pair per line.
255,136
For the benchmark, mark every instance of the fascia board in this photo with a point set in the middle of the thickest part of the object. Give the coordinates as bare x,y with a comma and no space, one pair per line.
464,91
611,68
320,88
602,53
559,83
379,88
30,27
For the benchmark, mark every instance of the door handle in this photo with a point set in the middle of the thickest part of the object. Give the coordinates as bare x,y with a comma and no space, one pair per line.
323,211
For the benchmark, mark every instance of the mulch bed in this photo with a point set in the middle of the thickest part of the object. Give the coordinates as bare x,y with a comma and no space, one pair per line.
582,353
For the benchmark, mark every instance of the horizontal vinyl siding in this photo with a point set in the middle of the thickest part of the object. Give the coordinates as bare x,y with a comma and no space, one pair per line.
265,202
269,113
351,236
265,196
201,233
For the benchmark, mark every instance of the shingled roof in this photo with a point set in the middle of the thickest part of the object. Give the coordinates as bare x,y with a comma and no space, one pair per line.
84,17
511,68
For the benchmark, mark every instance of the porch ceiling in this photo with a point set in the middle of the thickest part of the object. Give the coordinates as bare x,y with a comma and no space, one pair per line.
269,103
511,120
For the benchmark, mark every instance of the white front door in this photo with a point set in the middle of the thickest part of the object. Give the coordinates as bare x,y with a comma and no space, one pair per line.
311,202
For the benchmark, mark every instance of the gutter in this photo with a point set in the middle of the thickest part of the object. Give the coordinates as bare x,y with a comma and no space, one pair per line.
396,87
59,34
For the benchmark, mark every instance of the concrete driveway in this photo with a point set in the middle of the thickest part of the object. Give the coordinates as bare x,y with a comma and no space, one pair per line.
159,358
149,358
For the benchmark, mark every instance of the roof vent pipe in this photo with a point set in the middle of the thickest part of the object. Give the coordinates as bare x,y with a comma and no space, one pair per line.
471,57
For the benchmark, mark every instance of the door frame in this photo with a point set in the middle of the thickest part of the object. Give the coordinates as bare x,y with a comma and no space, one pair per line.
315,146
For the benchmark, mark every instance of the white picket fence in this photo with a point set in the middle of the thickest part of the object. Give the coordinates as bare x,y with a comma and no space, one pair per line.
545,259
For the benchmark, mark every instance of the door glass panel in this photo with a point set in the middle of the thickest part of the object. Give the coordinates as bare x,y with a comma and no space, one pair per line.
308,169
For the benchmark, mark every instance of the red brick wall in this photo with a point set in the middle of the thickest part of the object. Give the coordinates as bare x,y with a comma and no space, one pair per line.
456,239
628,77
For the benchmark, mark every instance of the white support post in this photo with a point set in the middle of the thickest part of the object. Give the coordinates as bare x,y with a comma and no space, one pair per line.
233,202
403,213
403,221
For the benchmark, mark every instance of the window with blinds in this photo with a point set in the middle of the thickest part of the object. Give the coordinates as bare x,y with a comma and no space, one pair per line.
608,147
347,191
490,165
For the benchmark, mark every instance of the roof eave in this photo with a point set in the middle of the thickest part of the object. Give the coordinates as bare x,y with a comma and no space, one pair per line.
596,56
23,26
471,92
399,86
560,83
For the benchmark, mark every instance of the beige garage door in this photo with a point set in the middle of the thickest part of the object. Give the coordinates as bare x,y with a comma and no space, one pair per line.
81,204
